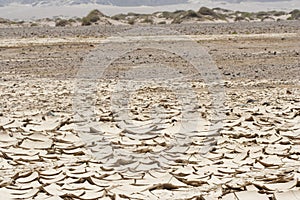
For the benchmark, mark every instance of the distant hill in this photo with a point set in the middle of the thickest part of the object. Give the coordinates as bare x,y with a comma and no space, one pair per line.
120,2
103,2
203,15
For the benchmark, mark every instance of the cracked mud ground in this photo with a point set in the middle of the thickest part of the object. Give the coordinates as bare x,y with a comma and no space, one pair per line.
44,153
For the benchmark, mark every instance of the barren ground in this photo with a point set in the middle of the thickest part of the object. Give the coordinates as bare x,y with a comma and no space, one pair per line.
48,150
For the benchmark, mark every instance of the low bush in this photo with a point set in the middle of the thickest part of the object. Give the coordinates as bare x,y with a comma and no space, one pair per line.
162,22
239,18
209,12
119,17
206,11
62,22
92,17
147,20
278,13
295,14
33,24
131,21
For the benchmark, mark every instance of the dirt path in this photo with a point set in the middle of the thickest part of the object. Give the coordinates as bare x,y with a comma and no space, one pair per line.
23,42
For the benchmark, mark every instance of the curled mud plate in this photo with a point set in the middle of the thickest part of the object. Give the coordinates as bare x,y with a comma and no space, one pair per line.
154,115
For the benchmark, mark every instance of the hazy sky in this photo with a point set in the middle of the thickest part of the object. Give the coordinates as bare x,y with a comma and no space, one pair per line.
239,1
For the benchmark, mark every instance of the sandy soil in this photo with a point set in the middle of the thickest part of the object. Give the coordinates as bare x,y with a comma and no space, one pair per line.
50,150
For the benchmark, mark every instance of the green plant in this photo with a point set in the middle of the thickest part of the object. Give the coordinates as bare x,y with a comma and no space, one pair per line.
162,22
278,13
33,24
262,15
119,17
191,13
92,17
178,14
167,15
239,18
182,15
221,10
131,21
177,20
62,22
134,14
221,16
179,11
85,22
72,20
147,20
95,13
210,12
206,11
246,15
295,14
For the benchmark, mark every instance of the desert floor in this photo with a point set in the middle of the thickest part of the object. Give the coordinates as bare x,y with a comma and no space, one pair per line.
151,125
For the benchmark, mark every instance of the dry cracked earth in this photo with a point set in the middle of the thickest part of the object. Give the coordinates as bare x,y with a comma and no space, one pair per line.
65,136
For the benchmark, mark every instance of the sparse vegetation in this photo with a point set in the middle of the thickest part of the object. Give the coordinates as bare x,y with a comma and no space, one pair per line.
267,18
33,24
131,21
4,21
244,16
172,15
211,13
166,15
92,17
147,20
278,13
134,14
262,15
177,17
191,13
119,17
85,22
72,20
62,22
206,11
177,21
239,18
295,14
162,22
185,15
221,10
